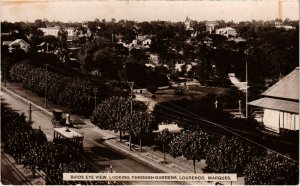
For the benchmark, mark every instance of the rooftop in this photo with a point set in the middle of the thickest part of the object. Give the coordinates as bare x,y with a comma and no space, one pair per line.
276,104
286,88
206,38
67,133
17,41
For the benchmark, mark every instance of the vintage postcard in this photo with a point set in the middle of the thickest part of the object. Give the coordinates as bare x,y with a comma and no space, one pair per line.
149,92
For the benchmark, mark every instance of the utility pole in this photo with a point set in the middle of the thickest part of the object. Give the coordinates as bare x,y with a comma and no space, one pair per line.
29,112
95,92
46,86
246,89
110,171
205,73
4,77
131,98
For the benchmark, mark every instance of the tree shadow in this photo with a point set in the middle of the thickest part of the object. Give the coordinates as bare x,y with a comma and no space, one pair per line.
106,153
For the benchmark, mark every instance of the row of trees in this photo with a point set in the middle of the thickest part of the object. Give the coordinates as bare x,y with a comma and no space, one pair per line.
77,94
222,155
30,147
231,155
120,115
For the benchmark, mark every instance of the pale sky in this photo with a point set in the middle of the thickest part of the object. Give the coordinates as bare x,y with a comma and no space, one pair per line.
79,10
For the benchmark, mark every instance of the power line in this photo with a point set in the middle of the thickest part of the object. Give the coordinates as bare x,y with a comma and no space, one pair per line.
178,118
222,127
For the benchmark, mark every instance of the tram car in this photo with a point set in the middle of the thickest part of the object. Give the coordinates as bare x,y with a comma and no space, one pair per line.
70,136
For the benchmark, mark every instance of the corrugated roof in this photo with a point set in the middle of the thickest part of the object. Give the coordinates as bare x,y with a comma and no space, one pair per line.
276,104
286,88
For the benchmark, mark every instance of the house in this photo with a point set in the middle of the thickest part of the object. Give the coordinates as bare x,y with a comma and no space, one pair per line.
5,33
154,58
71,33
285,27
146,42
140,42
207,41
210,26
228,32
7,43
19,44
143,40
280,104
51,31
237,40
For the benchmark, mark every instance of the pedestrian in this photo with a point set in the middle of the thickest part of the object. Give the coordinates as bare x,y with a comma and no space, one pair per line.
68,119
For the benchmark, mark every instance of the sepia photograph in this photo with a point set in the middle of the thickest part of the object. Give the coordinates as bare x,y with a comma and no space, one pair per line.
151,92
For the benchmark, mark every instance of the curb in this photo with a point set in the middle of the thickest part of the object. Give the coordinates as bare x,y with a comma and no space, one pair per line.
26,100
19,173
143,160
134,156
12,163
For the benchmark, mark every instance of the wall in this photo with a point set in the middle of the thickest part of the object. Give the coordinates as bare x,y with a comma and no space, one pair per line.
276,119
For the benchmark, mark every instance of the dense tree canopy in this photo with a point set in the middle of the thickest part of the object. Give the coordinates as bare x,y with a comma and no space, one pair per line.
77,94
231,155
111,110
29,147
138,124
194,145
273,169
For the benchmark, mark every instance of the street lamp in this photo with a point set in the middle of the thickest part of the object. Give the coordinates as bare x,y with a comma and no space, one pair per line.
46,85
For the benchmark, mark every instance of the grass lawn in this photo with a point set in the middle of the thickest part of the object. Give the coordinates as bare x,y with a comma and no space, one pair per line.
194,93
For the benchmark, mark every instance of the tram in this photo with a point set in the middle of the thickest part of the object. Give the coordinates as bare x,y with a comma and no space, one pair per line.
69,136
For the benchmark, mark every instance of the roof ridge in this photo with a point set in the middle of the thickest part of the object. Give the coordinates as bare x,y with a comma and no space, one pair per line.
286,87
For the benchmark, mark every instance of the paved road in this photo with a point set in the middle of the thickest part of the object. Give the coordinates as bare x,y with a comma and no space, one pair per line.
93,142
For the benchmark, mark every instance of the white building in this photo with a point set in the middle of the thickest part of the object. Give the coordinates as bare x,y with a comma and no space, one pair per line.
210,26
280,104
286,27
228,32
142,42
242,86
146,42
187,23
19,44
51,31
